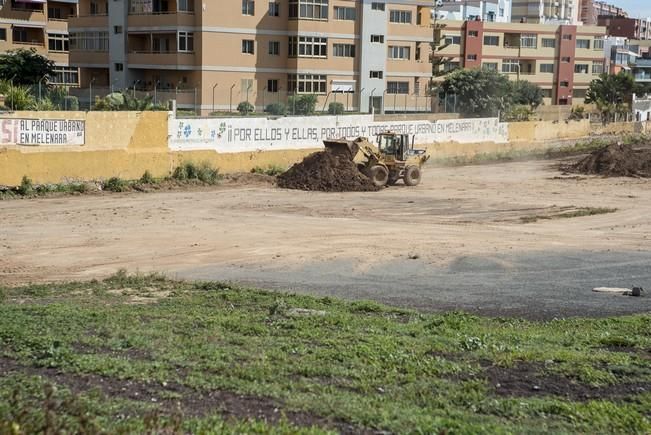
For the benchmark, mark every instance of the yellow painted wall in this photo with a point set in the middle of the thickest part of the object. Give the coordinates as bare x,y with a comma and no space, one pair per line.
126,144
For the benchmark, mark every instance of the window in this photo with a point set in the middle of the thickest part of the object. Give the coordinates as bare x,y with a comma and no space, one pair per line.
272,85
529,40
117,29
185,6
89,41
501,12
547,93
119,67
549,42
453,40
402,17
510,66
308,46
376,74
583,43
248,7
248,46
19,35
546,67
489,66
451,66
308,9
274,48
473,34
52,13
565,59
64,75
598,43
581,68
3,34
471,57
377,6
307,83
567,37
397,87
597,68
57,42
400,53
344,13
565,84
274,9
343,50
377,38
492,40
579,93
186,41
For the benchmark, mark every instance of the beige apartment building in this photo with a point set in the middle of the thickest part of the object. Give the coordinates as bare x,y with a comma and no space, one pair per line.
562,59
42,25
361,53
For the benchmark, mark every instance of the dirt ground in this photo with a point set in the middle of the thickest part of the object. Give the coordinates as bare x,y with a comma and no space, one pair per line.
457,241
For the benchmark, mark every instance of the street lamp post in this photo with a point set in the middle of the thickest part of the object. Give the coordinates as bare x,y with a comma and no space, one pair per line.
90,91
135,83
230,100
213,96
40,98
156,83
361,95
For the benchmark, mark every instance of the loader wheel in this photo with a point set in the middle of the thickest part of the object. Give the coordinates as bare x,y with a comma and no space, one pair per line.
379,175
412,176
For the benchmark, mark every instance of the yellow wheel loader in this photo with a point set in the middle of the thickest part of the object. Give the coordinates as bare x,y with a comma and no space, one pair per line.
393,157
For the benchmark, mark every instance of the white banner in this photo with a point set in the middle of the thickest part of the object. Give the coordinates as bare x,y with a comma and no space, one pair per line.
233,135
42,132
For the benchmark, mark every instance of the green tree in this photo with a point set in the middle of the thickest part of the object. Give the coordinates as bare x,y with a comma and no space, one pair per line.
479,93
524,93
24,67
302,104
611,93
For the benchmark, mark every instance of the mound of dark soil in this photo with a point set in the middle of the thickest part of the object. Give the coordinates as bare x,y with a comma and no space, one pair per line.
326,171
616,160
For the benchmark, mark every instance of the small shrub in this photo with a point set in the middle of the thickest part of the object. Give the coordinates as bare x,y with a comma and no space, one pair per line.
272,170
147,178
336,108
278,109
115,184
70,103
191,171
302,104
26,186
245,108
577,113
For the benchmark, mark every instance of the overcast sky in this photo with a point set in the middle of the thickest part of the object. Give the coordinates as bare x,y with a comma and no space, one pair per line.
635,8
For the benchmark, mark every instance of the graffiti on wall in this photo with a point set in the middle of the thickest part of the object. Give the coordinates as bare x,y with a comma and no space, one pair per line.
42,132
231,135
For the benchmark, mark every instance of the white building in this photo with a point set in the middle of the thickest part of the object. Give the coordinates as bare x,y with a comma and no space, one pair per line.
485,10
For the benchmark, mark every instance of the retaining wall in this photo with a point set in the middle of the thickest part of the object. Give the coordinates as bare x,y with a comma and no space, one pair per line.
126,144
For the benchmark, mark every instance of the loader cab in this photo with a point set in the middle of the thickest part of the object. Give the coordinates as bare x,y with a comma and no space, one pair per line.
396,145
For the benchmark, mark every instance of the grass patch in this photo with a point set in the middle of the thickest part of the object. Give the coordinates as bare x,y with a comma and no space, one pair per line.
580,212
186,174
271,170
199,352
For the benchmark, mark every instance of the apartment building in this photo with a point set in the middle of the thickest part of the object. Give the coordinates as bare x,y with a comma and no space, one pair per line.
632,28
485,10
42,25
562,59
546,11
360,52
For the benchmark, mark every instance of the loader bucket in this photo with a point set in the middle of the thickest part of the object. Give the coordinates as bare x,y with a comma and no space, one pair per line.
342,147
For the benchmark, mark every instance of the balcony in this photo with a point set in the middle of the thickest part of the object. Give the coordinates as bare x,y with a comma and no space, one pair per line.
168,19
166,60
84,57
88,21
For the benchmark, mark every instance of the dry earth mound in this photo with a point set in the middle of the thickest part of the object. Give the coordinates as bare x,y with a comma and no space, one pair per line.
326,171
616,160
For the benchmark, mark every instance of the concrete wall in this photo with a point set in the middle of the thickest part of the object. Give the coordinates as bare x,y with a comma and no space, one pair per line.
126,144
